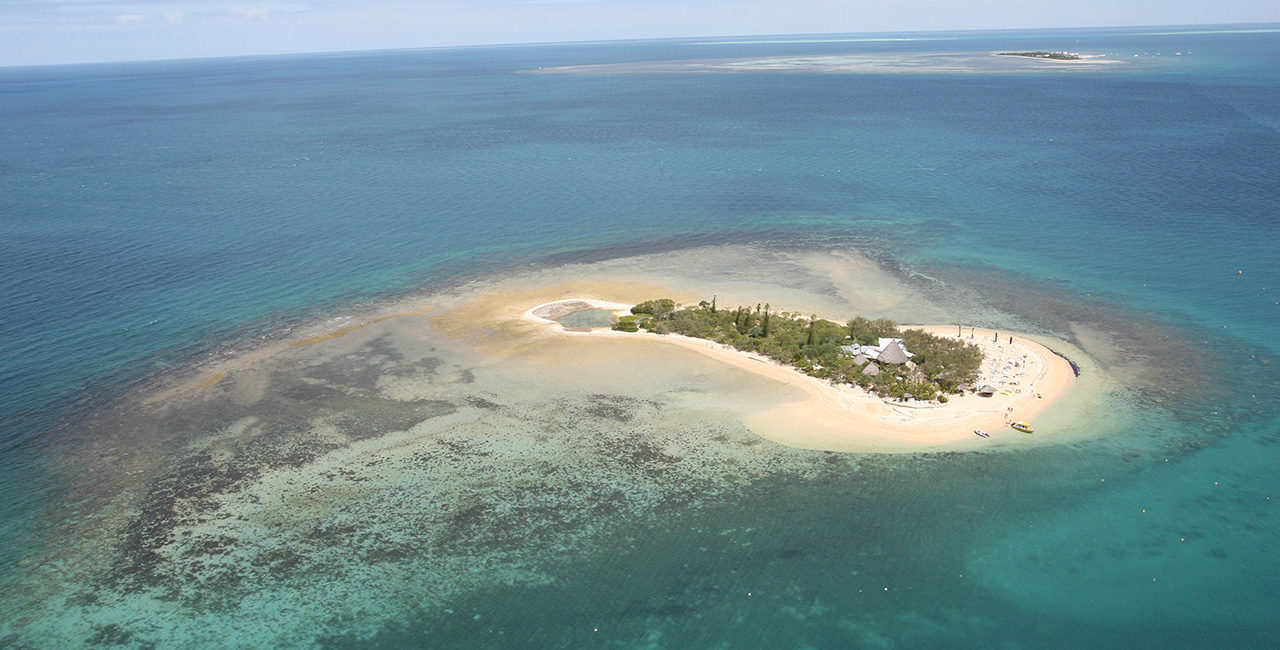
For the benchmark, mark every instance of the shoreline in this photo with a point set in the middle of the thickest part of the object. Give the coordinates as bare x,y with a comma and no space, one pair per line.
1080,58
845,418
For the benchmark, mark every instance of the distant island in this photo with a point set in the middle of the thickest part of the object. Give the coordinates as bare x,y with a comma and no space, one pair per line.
1042,54
873,354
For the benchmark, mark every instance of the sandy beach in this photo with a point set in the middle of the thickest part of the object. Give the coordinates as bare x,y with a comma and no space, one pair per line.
1026,374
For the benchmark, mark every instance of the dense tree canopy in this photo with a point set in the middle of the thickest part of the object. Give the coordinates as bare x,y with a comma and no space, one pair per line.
816,346
660,308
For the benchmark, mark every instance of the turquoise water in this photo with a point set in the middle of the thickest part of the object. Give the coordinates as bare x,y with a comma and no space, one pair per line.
155,213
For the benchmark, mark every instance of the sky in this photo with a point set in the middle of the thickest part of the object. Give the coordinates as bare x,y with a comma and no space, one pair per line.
36,32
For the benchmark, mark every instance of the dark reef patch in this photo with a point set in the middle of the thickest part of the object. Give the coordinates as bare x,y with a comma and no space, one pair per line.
217,458
620,408
111,635
482,403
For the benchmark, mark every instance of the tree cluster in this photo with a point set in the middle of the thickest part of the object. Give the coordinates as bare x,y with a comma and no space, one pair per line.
815,346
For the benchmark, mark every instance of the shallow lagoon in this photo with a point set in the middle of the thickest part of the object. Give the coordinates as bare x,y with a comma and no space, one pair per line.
588,318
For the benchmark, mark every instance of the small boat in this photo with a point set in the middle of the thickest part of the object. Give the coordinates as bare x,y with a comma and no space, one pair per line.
982,433
1023,426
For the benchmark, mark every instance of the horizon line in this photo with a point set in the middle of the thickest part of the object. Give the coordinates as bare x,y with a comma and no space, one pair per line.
723,39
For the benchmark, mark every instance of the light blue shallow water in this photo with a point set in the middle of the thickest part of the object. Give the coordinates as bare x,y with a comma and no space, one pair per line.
154,212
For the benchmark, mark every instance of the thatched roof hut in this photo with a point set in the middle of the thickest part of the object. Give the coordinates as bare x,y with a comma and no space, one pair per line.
986,391
871,369
894,353
860,360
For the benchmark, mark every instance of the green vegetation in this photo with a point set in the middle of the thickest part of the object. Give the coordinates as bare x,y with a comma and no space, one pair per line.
626,324
660,308
814,345
1042,54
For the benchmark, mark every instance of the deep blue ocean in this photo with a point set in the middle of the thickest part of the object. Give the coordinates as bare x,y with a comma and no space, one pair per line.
154,213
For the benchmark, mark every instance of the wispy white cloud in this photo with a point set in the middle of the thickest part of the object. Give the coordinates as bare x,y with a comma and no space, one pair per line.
167,10
260,12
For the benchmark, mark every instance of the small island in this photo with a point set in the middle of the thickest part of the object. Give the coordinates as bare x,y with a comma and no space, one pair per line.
873,354
1043,54
865,384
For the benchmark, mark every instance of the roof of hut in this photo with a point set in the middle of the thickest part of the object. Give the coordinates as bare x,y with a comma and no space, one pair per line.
894,353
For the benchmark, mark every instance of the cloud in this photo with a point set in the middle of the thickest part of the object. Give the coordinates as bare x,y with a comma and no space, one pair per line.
252,13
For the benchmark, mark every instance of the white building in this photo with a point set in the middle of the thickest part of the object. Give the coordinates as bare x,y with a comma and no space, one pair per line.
886,350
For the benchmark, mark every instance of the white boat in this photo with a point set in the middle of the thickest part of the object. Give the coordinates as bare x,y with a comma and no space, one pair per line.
982,433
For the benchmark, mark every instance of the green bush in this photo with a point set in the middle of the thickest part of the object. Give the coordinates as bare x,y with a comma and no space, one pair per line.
626,324
660,308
